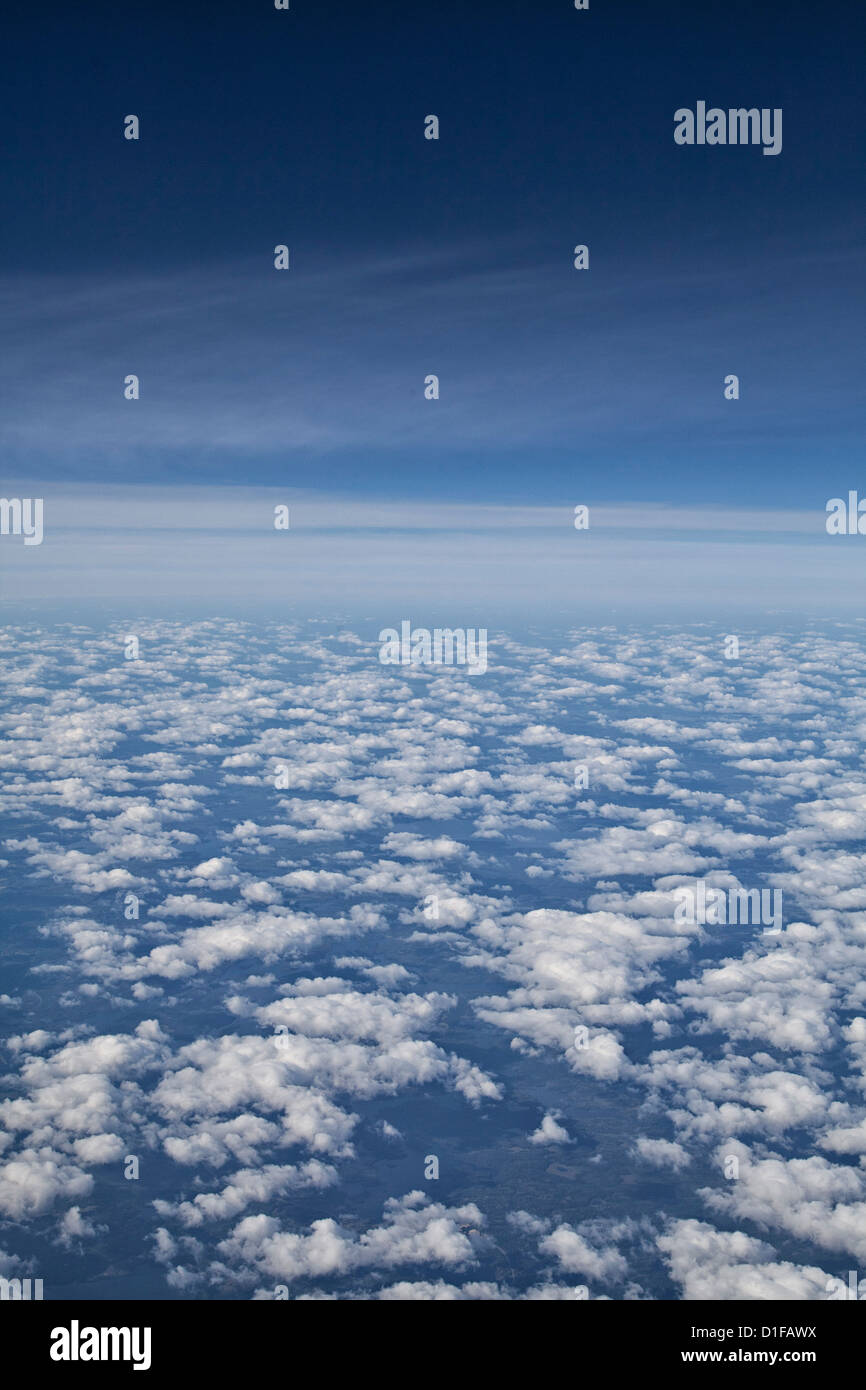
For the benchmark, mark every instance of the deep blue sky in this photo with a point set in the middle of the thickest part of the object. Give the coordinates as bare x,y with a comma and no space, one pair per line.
412,256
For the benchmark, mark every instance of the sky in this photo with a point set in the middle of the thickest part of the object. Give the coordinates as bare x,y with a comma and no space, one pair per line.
412,256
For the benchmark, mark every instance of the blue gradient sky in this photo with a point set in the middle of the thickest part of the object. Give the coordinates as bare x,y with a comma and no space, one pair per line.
454,257
411,257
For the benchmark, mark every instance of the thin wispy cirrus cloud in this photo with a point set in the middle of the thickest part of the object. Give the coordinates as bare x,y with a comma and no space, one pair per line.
545,374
